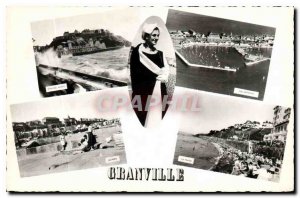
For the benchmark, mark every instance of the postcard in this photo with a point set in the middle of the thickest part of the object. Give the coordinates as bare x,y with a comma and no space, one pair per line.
220,117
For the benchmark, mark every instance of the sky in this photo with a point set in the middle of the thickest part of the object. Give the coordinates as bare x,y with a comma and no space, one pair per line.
218,112
120,22
179,20
83,105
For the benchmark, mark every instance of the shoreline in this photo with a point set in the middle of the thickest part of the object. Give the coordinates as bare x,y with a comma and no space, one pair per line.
220,150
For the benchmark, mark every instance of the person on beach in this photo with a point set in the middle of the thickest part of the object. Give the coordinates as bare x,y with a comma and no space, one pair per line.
87,142
84,145
89,139
245,168
236,170
63,141
148,67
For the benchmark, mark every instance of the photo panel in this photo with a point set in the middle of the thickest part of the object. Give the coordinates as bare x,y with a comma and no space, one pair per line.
152,65
237,137
220,55
83,53
64,134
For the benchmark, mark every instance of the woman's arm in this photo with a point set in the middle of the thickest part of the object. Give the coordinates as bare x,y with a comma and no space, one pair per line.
166,64
164,77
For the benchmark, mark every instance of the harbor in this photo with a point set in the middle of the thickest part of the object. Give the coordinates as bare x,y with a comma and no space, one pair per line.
211,59
219,81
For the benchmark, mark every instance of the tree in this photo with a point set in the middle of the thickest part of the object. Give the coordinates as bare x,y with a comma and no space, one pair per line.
207,34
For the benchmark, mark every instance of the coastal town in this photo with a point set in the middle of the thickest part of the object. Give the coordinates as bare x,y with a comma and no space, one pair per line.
28,134
268,131
185,37
52,145
252,149
82,60
252,48
85,42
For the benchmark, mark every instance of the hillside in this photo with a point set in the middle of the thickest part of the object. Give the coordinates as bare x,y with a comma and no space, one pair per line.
107,37
245,134
256,134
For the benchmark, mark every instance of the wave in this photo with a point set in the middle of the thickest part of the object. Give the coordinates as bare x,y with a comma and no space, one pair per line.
49,57
122,75
106,65
115,71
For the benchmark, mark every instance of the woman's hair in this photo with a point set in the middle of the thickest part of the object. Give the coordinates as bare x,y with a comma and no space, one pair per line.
146,34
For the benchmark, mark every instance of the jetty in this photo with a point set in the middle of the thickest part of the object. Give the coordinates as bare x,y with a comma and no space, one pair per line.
256,62
204,66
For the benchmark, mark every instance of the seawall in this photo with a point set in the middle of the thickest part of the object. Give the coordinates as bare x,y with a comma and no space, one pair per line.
202,66
87,76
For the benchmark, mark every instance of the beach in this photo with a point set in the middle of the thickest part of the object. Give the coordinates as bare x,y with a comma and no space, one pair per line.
49,161
205,154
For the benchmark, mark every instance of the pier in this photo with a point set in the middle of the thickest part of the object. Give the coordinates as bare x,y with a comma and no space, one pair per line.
256,62
203,66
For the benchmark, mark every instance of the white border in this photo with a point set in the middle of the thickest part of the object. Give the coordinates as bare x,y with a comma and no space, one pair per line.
103,3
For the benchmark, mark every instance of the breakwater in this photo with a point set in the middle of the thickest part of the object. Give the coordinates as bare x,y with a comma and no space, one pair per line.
203,66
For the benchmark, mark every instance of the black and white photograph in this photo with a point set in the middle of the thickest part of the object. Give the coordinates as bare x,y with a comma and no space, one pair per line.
83,53
152,69
149,98
65,134
234,137
220,55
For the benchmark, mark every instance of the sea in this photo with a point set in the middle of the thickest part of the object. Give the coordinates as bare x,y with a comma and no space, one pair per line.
220,56
252,78
111,64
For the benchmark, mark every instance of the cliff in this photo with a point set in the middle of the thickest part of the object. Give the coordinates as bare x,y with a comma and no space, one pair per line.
107,37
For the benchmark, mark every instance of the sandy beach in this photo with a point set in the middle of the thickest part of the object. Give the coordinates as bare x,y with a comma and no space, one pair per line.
55,161
205,154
